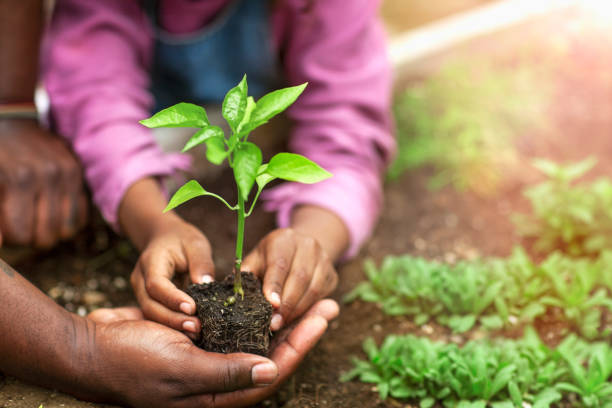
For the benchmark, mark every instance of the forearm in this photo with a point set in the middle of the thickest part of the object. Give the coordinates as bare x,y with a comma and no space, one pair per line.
141,212
323,225
20,30
41,342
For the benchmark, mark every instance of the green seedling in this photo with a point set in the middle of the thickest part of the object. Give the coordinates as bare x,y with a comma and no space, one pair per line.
497,373
590,368
463,119
494,293
574,217
243,115
491,292
578,289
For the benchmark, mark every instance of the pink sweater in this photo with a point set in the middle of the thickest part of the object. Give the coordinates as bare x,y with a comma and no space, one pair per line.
95,65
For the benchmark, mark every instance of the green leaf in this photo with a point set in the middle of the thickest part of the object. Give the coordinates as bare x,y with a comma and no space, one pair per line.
370,348
461,324
272,104
427,402
515,394
247,114
215,149
189,190
501,380
263,177
547,167
576,170
201,136
383,390
180,115
294,167
492,322
235,103
247,159
370,377
546,397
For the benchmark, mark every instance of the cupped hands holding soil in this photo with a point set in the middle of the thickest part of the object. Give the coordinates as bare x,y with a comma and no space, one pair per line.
231,324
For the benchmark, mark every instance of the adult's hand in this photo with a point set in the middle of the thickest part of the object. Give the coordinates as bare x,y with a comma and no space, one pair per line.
42,199
170,371
145,364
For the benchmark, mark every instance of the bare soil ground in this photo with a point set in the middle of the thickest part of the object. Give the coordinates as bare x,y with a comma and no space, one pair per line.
93,270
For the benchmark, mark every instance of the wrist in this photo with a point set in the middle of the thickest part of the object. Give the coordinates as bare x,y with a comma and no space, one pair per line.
141,213
324,226
89,370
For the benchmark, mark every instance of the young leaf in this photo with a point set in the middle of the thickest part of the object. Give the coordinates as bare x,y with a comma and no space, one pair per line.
247,159
180,115
201,135
263,178
272,104
294,167
235,103
190,190
215,149
247,113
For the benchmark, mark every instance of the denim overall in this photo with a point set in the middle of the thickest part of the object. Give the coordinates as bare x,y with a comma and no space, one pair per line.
201,67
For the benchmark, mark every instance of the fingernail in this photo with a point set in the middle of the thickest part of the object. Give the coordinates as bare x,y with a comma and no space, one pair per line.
277,322
207,279
275,299
189,326
186,308
264,373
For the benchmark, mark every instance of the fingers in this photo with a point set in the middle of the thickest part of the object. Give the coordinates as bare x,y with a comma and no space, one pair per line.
200,262
278,255
160,300
17,207
322,284
288,354
46,228
301,272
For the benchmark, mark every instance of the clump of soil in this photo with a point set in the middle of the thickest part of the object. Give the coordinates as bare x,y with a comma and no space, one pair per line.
231,324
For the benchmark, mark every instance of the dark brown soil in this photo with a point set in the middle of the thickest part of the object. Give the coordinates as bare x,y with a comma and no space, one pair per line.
231,324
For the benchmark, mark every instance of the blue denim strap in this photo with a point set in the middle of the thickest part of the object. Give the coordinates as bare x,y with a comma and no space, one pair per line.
201,67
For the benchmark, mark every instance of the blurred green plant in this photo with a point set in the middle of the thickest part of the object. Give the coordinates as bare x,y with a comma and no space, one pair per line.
576,218
499,373
463,119
495,292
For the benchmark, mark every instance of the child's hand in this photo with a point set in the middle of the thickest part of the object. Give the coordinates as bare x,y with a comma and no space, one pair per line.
296,273
168,245
177,247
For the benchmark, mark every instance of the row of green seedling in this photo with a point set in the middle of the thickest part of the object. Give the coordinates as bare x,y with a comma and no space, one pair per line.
494,293
499,373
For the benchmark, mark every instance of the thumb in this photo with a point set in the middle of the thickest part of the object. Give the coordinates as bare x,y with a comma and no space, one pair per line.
200,262
255,263
215,372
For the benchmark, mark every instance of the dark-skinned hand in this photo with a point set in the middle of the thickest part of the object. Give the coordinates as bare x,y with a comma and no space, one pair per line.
169,371
42,199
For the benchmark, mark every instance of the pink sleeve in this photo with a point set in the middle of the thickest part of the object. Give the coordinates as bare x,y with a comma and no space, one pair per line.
94,65
343,118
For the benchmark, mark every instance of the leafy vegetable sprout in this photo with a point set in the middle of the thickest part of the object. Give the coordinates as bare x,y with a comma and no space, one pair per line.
498,373
574,216
243,115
